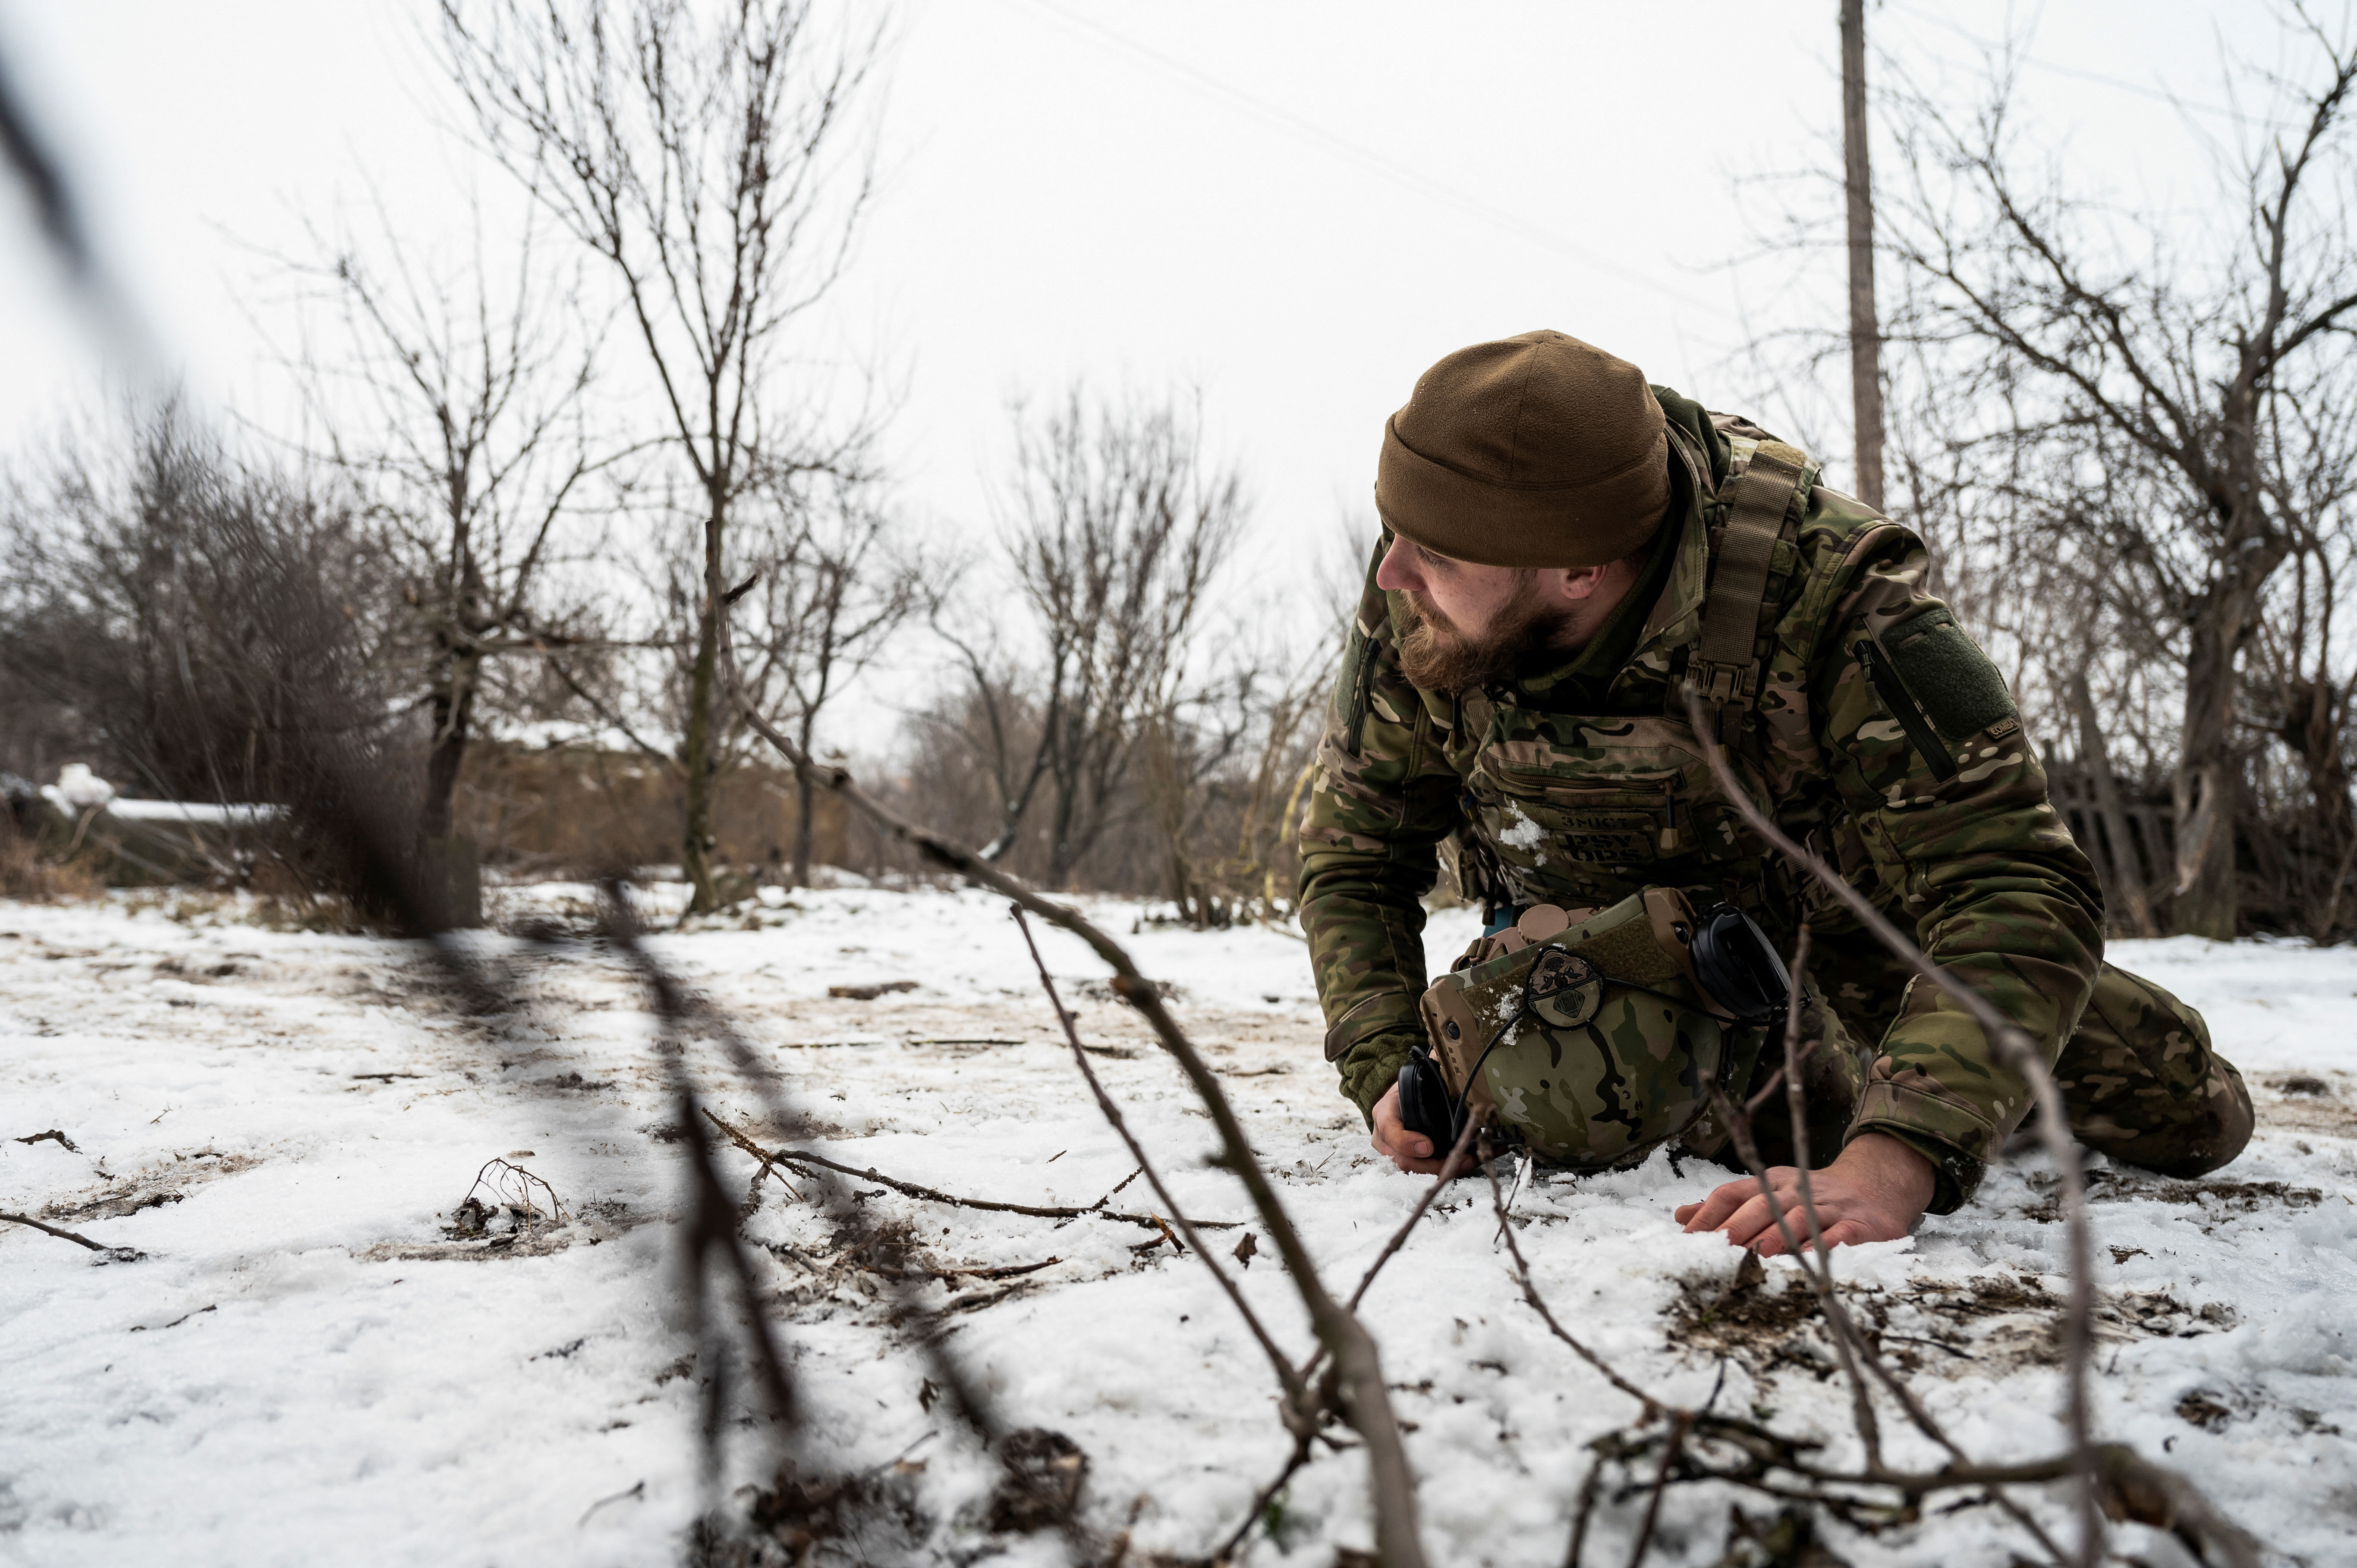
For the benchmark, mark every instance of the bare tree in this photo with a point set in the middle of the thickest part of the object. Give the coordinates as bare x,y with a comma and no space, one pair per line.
1115,522
716,166
454,408
1225,788
187,610
2122,875
833,592
2168,411
1229,831
1187,752
994,721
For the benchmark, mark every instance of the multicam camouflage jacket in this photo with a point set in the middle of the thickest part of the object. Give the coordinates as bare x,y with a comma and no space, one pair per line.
1877,732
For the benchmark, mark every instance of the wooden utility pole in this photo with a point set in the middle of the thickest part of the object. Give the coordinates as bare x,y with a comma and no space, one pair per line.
1865,330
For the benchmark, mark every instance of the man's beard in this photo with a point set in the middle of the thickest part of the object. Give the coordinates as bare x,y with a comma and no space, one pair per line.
1437,656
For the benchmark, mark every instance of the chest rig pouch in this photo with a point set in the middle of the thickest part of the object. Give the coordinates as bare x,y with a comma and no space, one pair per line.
1594,1043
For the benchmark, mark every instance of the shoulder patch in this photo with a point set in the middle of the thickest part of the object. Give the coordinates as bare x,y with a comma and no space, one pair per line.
1960,690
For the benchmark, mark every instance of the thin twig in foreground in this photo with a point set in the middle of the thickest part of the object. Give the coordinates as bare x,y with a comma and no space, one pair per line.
2015,1050
714,1222
1451,1168
1366,1403
1538,1305
794,1159
1796,1105
60,1235
1301,1456
1837,1320
1583,1512
1297,1411
1670,1452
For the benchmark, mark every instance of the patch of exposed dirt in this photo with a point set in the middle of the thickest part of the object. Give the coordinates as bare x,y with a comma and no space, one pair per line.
2016,1320
152,1188
2203,1410
1102,990
2218,1201
511,1212
1946,1327
536,1244
2231,1197
870,1516
869,992
1743,1316
861,1272
877,1516
2157,1315
1983,1295
1787,1538
1041,1489
172,966
2311,1102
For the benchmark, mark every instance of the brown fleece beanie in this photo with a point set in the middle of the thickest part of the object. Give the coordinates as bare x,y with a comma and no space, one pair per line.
1532,451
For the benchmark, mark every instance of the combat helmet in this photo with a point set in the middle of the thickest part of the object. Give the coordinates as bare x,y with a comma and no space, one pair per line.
1594,1043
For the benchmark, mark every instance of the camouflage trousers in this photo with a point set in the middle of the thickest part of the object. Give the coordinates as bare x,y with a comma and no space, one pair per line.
2140,1079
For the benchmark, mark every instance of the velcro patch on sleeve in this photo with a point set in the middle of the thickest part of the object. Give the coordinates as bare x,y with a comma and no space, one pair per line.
1960,689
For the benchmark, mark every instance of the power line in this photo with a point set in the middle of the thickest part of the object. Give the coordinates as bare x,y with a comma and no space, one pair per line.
1380,164
2157,93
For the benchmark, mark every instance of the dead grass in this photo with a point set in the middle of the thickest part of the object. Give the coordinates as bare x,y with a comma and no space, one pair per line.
33,873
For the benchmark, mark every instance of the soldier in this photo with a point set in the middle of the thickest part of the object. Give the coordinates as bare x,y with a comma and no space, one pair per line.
1565,551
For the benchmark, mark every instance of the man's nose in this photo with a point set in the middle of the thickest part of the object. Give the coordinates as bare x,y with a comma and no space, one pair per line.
1397,574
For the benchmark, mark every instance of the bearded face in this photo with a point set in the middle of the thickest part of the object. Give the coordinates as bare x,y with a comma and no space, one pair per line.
1438,655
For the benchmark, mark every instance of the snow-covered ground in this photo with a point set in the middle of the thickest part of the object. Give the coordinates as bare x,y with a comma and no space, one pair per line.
303,1369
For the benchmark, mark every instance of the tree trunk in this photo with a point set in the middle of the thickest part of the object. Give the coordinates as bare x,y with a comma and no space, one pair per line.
805,792
449,872
2128,877
700,759
453,708
2206,781
1864,328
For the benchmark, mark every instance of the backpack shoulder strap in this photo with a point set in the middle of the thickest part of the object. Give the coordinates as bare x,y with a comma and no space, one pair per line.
1726,665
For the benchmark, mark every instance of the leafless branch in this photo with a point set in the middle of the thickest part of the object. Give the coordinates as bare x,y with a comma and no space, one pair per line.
1365,1403
1297,1403
2016,1051
78,1241
801,1159
1646,1403
1451,1167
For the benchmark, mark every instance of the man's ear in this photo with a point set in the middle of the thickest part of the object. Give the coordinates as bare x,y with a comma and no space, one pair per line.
1578,582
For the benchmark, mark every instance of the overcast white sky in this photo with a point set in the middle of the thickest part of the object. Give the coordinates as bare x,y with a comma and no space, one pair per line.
1296,206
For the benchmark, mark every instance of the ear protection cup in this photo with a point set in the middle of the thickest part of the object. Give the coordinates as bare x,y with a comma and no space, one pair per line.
1426,1104
1738,965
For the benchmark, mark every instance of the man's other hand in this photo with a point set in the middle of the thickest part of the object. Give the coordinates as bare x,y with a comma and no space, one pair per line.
1874,1192
1409,1151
